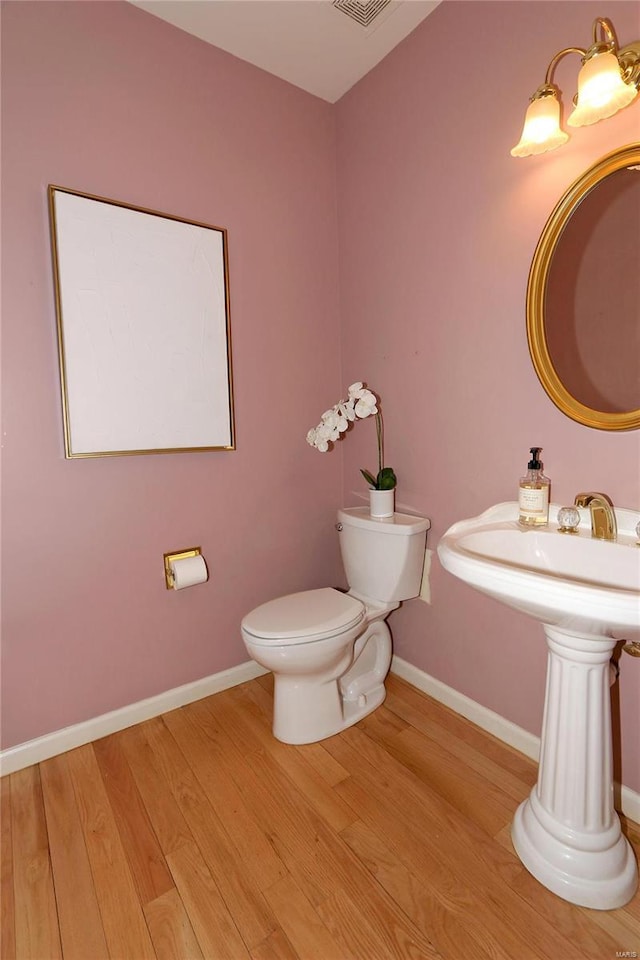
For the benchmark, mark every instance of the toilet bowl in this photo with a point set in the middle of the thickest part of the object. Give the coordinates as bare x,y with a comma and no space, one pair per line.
330,651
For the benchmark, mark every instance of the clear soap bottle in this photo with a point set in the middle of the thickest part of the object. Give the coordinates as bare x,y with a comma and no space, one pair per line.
533,499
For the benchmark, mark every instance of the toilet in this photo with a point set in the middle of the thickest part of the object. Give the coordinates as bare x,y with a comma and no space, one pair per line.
330,651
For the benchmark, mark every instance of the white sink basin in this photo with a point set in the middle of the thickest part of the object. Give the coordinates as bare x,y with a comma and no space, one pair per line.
568,580
586,593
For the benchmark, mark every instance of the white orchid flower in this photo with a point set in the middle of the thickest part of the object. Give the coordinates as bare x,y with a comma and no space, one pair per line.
345,409
340,419
355,390
366,405
330,417
336,420
318,440
326,431
329,428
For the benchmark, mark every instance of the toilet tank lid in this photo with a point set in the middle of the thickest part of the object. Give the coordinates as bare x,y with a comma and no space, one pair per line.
309,615
400,524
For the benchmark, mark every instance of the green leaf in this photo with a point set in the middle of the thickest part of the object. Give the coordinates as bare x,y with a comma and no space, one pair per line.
371,480
386,479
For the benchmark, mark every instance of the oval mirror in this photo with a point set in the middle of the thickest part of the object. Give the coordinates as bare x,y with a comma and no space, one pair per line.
583,296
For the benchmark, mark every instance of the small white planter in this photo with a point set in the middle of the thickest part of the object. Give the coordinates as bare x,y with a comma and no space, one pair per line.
381,503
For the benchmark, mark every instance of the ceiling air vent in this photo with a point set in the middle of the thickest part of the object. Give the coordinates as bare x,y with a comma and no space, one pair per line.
363,12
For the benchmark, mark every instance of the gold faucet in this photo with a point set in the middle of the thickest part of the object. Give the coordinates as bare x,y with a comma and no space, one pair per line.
603,517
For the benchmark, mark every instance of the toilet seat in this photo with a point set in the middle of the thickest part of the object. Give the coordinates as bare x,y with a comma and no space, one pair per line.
303,617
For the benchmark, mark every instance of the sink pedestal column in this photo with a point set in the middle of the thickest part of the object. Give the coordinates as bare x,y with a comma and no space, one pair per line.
567,833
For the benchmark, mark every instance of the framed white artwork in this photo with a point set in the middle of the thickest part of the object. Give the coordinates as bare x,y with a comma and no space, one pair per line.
142,304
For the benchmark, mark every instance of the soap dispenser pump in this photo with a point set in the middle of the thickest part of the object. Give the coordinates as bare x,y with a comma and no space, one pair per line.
533,499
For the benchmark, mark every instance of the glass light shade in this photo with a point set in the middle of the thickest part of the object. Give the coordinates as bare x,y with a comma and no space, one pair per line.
541,131
601,91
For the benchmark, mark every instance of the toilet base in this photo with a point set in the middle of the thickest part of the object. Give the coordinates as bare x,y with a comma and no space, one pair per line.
354,711
321,712
305,712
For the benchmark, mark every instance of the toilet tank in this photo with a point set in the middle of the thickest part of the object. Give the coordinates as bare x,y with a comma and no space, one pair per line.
383,559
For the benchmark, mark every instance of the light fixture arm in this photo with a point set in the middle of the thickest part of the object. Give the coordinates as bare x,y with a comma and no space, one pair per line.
607,28
549,88
548,79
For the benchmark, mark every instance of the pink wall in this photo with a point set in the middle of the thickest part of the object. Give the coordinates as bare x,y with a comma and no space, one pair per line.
437,227
104,98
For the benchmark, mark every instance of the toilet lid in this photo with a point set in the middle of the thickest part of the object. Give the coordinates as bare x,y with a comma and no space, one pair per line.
303,617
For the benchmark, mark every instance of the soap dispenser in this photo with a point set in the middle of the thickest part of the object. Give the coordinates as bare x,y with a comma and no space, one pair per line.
533,499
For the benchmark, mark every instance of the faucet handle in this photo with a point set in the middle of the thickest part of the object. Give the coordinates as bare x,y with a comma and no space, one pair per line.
568,519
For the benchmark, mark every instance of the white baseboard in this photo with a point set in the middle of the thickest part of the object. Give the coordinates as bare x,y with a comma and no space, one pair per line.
627,800
50,745
33,751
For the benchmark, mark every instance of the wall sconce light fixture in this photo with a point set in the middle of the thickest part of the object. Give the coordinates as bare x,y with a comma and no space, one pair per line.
609,80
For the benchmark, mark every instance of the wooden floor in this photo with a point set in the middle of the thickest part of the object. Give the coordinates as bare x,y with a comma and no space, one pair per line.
196,834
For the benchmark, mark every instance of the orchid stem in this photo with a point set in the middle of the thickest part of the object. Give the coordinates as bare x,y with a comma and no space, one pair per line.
380,435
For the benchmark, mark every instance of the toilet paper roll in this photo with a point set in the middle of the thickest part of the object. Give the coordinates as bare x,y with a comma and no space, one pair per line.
188,571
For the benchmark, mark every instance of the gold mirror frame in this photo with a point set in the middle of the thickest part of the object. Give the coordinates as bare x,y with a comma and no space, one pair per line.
537,288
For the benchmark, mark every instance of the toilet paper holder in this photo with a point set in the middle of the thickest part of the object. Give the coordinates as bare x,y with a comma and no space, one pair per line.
170,558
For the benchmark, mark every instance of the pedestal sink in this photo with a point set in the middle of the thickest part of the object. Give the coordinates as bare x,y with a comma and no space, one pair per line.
586,593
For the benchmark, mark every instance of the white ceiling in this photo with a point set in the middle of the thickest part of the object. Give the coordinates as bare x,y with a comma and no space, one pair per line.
310,43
